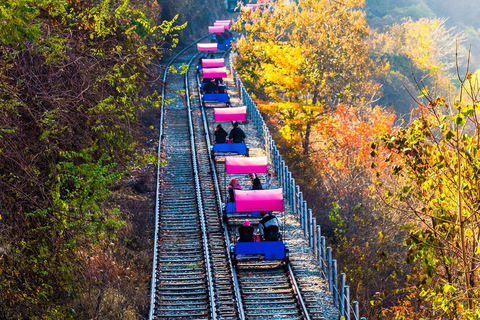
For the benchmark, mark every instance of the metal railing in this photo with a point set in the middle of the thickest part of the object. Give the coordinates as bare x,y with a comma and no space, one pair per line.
311,231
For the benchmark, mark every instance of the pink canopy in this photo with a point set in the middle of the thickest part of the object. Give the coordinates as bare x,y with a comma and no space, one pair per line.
230,114
226,23
252,5
215,72
207,46
259,200
246,165
213,63
216,29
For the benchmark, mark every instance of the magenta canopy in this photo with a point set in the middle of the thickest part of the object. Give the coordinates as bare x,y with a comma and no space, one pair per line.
207,46
213,63
246,165
259,200
230,114
215,72
226,25
216,29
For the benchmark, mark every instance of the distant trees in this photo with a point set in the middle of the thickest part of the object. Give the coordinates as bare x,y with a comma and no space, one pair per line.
72,82
425,49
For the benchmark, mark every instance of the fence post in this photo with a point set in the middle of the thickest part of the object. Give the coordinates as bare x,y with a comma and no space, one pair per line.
343,278
347,303
305,219
329,263
324,260
356,310
314,236
300,204
297,198
291,188
334,282
310,228
317,249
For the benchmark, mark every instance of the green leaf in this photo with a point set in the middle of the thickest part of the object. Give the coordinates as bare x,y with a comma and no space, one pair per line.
459,120
449,135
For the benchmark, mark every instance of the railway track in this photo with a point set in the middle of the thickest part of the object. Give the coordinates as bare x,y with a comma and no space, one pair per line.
183,284
193,276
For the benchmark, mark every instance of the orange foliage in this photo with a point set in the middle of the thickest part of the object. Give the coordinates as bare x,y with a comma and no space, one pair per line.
345,135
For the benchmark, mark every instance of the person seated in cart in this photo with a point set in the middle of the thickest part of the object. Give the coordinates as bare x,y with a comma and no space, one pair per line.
256,184
246,232
237,134
233,185
269,227
220,134
221,88
210,86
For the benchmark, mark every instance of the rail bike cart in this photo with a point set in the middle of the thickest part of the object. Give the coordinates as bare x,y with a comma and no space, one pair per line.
259,200
226,24
210,63
232,210
235,165
220,36
225,149
215,73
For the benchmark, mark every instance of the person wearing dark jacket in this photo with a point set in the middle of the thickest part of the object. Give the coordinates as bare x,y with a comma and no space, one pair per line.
237,134
210,86
246,232
232,186
269,227
220,134
256,185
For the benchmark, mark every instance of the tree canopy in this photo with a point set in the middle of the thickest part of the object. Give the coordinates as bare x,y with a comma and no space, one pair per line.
74,77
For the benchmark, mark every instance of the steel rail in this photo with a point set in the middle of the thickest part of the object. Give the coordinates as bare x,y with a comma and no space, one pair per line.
219,206
153,283
199,197
298,294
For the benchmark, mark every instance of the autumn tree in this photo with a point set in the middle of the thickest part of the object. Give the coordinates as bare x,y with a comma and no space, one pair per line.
307,58
435,161
74,78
